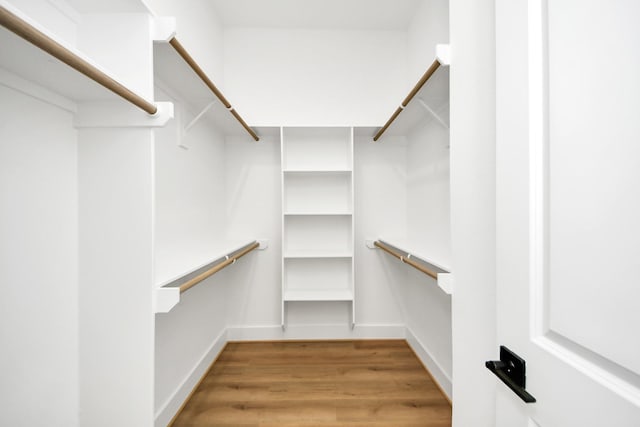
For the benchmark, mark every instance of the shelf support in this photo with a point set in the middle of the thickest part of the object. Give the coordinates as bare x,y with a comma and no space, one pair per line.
433,113
197,117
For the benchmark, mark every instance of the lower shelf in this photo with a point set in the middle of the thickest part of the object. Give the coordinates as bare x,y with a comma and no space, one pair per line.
318,295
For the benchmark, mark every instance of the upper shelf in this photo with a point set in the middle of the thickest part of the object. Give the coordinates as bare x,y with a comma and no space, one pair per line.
430,96
28,51
177,73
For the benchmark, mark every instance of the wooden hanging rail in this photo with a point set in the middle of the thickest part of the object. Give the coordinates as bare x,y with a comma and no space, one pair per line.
26,31
229,259
207,81
407,260
427,75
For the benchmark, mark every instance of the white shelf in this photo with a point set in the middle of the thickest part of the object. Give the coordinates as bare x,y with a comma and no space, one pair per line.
169,270
431,102
415,250
435,94
183,263
175,77
318,213
311,171
316,254
30,63
318,295
445,278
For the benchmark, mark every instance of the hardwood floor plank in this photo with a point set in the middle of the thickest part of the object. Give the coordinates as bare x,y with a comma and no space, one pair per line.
317,383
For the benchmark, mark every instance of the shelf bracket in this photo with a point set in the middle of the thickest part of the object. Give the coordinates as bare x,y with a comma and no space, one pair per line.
433,113
197,117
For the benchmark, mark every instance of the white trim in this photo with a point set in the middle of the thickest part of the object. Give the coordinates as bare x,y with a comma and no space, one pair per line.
315,332
168,410
26,87
439,375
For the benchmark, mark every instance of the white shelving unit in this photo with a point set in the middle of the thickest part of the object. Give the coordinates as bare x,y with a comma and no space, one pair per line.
317,216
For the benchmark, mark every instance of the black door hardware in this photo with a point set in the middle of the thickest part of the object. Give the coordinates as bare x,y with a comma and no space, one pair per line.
511,370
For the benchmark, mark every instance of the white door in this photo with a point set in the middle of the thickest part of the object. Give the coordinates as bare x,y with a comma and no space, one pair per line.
568,213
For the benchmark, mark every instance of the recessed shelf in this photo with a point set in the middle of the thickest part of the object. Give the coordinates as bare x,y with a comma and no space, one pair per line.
318,234
317,192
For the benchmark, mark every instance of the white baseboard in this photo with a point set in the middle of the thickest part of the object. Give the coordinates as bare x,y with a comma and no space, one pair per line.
173,404
436,371
314,332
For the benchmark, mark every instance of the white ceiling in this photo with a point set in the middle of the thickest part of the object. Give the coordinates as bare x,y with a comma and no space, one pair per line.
317,14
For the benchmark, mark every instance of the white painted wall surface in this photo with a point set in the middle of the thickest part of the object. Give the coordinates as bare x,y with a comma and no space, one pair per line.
59,19
115,276
299,77
253,211
473,210
132,61
380,209
190,220
429,26
38,263
427,307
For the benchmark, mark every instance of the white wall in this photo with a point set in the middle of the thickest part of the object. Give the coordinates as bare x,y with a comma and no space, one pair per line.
429,26
428,308
115,276
116,347
380,210
253,211
190,222
38,263
297,77
473,210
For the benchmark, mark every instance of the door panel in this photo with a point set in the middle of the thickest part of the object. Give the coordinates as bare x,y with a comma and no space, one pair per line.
568,194
593,166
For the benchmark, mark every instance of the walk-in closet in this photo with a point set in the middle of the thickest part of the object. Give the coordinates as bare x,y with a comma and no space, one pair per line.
197,190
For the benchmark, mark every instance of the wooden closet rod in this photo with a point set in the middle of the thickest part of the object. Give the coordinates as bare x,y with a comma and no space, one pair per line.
406,260
196,68
230,260
427,75
55,49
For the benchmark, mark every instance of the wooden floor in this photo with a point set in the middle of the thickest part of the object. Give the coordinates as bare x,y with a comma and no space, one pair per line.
324,383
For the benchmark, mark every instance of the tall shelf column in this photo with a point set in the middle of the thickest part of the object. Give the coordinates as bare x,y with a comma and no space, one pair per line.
317,216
